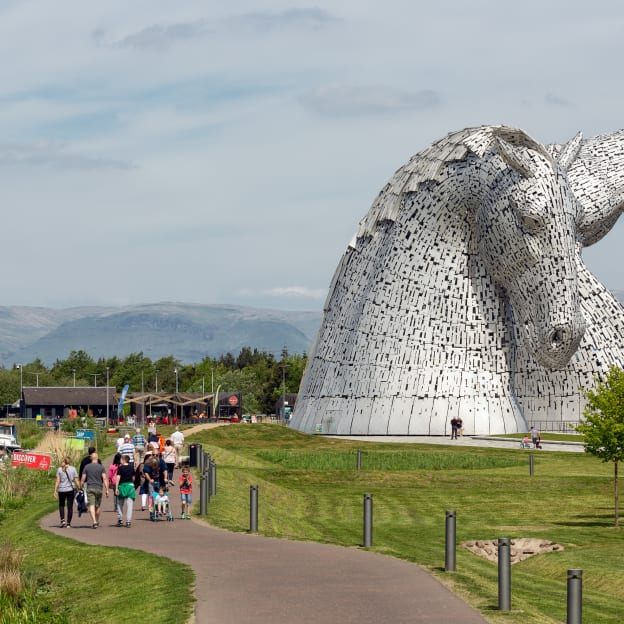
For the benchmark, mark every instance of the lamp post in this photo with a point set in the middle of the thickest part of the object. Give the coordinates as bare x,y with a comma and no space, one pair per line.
283,391
95,376
74,372
212,380
156,371
175,370
21,369
107,397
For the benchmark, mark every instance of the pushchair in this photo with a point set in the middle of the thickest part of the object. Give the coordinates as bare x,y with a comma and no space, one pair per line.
160,509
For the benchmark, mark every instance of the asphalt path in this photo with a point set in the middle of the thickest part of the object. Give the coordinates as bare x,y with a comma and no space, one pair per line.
244,578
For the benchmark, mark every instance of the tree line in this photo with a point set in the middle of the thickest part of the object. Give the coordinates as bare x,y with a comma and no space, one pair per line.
258,375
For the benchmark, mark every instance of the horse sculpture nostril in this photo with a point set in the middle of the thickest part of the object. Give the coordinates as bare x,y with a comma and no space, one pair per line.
560,338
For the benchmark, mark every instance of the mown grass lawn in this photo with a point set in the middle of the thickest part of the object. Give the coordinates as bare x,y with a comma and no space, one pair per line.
309,490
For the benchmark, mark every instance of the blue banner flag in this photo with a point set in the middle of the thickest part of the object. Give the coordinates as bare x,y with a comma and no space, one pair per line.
122,399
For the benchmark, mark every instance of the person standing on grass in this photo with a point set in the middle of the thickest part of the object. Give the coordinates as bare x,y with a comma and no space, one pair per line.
94,475
66,481
124,490
186,492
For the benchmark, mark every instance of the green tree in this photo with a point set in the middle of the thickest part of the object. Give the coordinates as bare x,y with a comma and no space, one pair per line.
603,425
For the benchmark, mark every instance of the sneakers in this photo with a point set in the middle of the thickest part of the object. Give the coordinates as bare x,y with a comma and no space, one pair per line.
182,516
62,524
95,525
69,526
119,522
128,525
188,516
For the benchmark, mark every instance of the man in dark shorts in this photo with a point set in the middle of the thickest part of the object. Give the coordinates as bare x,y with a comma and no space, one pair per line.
94,475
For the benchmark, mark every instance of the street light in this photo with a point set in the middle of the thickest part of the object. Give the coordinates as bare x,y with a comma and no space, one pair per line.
21,369
156,371
175,370
74,371
107,397
95,376
283,391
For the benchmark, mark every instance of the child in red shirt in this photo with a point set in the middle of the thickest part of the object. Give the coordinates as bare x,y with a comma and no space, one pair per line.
186,491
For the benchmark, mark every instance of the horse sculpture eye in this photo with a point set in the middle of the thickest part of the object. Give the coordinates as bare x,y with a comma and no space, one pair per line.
531,224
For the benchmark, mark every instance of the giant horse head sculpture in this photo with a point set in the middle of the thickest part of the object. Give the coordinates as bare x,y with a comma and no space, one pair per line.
467,266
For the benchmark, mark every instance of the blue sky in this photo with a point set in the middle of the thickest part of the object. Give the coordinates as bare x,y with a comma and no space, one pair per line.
215,152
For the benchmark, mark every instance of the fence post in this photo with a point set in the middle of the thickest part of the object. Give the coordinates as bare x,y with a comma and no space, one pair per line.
449,553
368,520
504,574
203,494
531,464
575,596
253,508
213,478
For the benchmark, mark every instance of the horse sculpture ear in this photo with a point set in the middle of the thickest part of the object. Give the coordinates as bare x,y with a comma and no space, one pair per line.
596,223
569,152
513,158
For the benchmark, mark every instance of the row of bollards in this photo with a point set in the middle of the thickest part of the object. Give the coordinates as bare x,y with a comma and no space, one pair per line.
208,488
575,576
207,478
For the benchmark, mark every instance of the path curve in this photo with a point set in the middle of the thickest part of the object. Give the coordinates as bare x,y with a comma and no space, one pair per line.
243,578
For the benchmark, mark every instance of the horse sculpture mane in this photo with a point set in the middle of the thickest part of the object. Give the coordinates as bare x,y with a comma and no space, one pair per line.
463,292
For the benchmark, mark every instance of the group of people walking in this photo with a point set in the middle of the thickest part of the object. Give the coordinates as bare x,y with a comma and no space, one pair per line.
140,464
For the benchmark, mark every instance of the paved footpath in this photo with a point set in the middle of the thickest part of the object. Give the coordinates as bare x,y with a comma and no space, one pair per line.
242,578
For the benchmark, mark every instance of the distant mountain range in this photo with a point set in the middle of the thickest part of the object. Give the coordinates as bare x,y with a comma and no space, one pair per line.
189,332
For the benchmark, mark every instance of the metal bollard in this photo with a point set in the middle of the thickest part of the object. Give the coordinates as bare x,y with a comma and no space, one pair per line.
203,495
504,574
358,460
449,552
531,464
206,459
213,478
575,596
368,520
253,508
200,457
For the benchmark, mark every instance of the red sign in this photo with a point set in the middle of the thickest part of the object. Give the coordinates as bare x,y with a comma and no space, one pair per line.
233,400
31,460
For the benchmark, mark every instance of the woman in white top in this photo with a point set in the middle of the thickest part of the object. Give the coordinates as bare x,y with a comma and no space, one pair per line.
66,480
170,457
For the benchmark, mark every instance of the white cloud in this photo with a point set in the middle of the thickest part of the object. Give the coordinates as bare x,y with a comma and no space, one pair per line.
205,151
55,156
162,36
367,100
